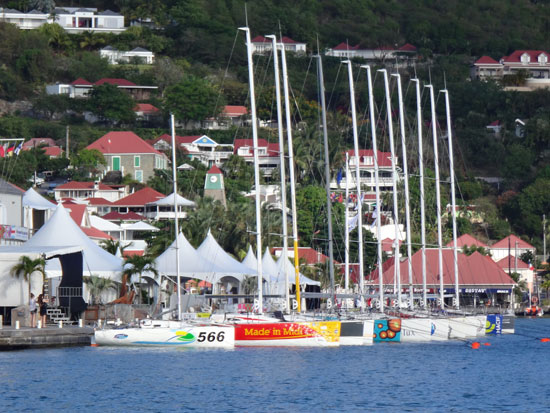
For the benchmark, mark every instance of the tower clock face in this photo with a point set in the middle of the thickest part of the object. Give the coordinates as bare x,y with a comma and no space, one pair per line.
213,179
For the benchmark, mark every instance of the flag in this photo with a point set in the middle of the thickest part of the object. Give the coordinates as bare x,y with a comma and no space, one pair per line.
339,177
531,267
9,152
18,149
352,224
2,152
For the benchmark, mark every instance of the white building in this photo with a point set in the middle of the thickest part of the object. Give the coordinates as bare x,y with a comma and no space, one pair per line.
262,45
72,19
115,56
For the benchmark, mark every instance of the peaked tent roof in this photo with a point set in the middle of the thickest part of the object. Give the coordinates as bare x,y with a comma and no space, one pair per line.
61,231
139,226
34,200
250,260
290,272
211,250
169,201
192,264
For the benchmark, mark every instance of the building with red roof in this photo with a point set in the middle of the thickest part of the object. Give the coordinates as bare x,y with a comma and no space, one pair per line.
366,169
263,45
136,201
407,52
477,275
128,153
526,271
79,214
83,190
466,240
200,147
146,111
534,62
268,154
51,150
119,216
81,88
511,245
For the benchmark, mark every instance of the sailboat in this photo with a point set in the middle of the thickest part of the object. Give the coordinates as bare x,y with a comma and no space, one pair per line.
169,333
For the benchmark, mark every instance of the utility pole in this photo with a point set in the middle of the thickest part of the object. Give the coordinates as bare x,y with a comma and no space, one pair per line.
544,238
67,142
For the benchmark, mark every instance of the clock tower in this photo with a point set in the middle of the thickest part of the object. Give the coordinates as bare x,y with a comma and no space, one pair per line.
213,185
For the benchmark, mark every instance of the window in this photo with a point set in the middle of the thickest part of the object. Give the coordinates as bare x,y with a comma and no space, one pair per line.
139,176
137,161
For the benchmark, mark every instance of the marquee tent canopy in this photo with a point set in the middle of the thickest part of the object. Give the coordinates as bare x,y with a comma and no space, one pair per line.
61,231
34,200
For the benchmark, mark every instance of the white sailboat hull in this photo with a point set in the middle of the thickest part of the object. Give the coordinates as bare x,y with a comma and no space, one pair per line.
169,336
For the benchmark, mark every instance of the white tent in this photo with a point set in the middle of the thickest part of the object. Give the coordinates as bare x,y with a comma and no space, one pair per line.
34,200
139,226
286,266
250,259
192,264
59,231
212,251
169,201
106,226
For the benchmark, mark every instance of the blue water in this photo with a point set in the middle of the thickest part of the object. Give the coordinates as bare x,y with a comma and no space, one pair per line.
510,375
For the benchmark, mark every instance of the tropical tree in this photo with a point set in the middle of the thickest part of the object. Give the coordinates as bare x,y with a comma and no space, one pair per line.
96,285
137,265
26,267
112,246
110,103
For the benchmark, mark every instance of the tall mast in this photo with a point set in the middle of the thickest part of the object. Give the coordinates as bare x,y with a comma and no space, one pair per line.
406,181
377,188
437,196
176,223
292,179
281,160
256,168
422,206
357,178
346,236
453,196
327,171
394,180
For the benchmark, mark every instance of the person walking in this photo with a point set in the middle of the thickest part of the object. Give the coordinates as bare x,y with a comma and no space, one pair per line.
32,310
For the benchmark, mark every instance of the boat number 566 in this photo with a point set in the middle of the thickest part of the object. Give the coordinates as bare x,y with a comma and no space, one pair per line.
211,337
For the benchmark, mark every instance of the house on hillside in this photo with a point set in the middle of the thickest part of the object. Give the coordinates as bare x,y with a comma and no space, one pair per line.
132,207
366,171
147,112
128,153
230,116
51,150
526,272
138,55
81,88
262,45
511,245
81,191
404,54
534,63
268,154
200,147
72,19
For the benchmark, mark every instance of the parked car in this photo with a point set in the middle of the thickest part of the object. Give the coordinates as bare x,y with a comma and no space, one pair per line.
37,179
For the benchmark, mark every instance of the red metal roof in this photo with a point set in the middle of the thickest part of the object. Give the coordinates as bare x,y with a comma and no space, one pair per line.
140,198
288,40
122,143
76,211
384,158
260,39
509,262
503,243
467,240
234,110
387,245
407,48
115,82
516,56
214,170
53,151
117,216
486,60
81,82
98,201
145,108
475,269
495,123
130,253
95,233
345,46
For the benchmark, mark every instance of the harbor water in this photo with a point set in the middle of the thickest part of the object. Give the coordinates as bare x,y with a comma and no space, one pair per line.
508,375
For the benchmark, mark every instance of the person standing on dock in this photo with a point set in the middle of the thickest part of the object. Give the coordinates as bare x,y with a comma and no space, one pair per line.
32,310
43,304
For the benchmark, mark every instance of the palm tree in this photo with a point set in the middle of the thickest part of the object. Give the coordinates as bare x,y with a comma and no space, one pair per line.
26,267
96,285
138,264
112,246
